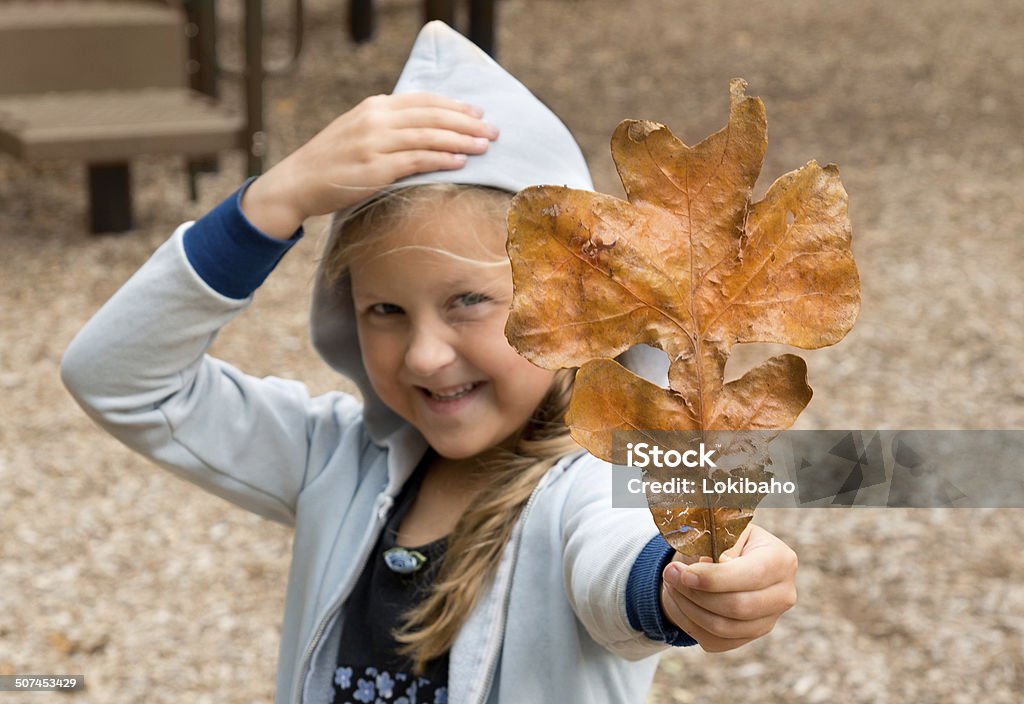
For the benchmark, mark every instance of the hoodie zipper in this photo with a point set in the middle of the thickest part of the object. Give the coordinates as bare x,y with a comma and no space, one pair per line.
489,678
384,505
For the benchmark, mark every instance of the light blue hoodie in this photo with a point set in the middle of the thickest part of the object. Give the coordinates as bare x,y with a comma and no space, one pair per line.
572,614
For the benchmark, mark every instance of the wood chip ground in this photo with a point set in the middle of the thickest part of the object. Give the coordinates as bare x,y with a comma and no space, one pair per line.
156,592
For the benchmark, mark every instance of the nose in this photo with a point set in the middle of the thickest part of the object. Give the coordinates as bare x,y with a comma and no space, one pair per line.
429,351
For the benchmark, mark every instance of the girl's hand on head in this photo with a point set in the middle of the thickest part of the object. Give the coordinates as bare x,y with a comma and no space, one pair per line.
381,140
727,604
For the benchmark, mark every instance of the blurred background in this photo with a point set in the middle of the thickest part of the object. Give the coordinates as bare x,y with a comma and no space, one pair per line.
157,592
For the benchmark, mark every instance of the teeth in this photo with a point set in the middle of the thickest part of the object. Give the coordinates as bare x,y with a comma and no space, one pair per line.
461,391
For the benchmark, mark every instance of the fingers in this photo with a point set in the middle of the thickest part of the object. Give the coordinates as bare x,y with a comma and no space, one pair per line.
406,163
734,576
724,605
433,140
739,605
440,118
427,100
400,129
407,110
714,633
765,560
383,139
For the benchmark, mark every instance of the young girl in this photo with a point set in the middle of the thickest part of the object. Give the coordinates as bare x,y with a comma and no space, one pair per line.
451,542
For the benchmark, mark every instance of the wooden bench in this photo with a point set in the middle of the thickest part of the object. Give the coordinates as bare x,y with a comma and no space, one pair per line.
103,82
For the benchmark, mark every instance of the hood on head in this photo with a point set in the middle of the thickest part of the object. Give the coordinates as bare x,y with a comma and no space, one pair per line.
534,148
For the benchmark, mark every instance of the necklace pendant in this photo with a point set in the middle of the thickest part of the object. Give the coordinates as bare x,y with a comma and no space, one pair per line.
404,561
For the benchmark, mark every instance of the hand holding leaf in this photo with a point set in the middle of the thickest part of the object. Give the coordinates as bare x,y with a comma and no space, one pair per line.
691,266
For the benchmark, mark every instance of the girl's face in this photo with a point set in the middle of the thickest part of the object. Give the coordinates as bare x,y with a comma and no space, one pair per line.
431,311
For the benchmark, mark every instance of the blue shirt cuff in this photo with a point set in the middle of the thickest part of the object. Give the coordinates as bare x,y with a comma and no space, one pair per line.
231,255
643,595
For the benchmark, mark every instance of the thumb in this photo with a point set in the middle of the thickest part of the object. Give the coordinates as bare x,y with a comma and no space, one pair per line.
737,549
730,554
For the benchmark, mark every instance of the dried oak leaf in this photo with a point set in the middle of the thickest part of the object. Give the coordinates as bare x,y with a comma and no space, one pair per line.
691,266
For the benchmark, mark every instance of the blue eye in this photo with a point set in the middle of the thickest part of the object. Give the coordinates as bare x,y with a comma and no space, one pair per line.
472,299
385,309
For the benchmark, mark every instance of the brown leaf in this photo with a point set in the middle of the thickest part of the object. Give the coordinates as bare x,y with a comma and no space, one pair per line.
691,266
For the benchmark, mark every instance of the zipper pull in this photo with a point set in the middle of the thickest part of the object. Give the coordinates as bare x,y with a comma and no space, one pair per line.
384,505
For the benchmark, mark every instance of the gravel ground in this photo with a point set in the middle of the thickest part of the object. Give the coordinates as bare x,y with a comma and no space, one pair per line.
159,593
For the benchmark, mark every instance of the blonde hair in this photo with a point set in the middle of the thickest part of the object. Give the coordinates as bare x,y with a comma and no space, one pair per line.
352,233
475,545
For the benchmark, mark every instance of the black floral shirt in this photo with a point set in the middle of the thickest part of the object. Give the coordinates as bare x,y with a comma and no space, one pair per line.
369,669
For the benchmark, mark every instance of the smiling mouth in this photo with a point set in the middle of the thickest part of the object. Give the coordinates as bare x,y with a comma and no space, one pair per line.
454,393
